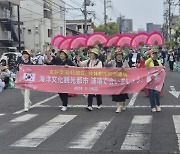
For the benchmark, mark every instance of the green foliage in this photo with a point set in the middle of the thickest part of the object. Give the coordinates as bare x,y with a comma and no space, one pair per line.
112,28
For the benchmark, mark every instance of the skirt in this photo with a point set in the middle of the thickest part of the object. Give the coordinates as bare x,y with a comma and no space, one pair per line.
120,97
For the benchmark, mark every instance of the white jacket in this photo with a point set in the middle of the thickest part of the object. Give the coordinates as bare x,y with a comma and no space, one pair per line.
91,63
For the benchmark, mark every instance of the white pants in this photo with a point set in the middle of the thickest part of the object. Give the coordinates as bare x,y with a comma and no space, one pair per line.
26,94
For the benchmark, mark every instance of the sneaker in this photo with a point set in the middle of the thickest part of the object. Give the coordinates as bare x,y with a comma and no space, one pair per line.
26,109
153,109
85,95
118,110
158,108
89,108
64,108
124,106
99,107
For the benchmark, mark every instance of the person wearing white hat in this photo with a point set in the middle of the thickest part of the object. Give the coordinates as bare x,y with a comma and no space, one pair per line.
92,62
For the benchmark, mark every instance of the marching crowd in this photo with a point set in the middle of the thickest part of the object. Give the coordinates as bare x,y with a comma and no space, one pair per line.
96,57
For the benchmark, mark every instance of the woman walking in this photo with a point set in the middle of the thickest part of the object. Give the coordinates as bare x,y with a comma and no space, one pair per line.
118,63
154,95
62,60
93,62
26,60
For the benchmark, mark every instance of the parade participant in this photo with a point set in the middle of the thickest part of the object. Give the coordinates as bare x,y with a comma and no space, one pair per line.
62,60
130,57
48,57
39,59
171,60
118,63
26,60
93,62
154,95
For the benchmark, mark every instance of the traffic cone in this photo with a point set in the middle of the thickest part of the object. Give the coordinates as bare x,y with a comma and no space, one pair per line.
11,83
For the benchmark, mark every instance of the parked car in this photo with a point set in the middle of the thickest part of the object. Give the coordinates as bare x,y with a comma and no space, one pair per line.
4,57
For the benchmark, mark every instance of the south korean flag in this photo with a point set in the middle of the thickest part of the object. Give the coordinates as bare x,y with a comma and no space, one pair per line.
29,77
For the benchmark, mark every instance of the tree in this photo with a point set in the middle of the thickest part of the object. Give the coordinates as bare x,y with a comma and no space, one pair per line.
112,28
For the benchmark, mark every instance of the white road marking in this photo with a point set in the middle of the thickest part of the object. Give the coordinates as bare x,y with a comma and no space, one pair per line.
40,134
139,134
37,104
108,106
133,99
176,119
174,92
16,122
24,118
1,114
88,137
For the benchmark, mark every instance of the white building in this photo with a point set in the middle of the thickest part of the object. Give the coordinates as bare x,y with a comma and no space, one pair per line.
42,19
79,26
9,31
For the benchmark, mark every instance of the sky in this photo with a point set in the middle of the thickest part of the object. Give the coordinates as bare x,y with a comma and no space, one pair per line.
141,11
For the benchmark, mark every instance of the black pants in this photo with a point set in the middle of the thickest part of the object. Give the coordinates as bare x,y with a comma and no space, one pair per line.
98,98
6,81
64,98
171,63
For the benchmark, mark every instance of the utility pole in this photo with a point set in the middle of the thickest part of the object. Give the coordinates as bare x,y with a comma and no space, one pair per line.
179,6
85,17
170,17
105,17
19,29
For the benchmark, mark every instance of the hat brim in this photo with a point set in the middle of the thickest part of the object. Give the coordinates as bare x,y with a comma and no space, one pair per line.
25,52
93,52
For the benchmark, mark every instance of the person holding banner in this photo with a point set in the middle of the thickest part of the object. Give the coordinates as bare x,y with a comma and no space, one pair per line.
26,60
118,62
62,60
154,95
93,62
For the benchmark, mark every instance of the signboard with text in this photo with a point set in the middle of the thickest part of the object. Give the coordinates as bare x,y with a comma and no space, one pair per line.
60,79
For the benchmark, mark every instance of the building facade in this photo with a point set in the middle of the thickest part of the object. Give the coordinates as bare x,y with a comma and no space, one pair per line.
79,26
125,25
10,32
152,27
42,20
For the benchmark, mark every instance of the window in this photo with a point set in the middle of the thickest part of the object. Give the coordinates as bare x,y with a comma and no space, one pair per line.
47,14
61,30
36,30
29,31
49,32
79,27
47,10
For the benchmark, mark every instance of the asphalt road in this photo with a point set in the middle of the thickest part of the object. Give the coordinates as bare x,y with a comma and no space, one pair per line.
47,130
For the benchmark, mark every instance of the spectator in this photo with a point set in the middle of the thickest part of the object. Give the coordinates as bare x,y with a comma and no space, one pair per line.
171,60
5,74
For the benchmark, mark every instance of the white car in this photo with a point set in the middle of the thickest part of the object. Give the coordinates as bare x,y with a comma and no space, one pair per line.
4,57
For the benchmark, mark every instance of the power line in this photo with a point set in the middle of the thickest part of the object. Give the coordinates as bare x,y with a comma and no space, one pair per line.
76,3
